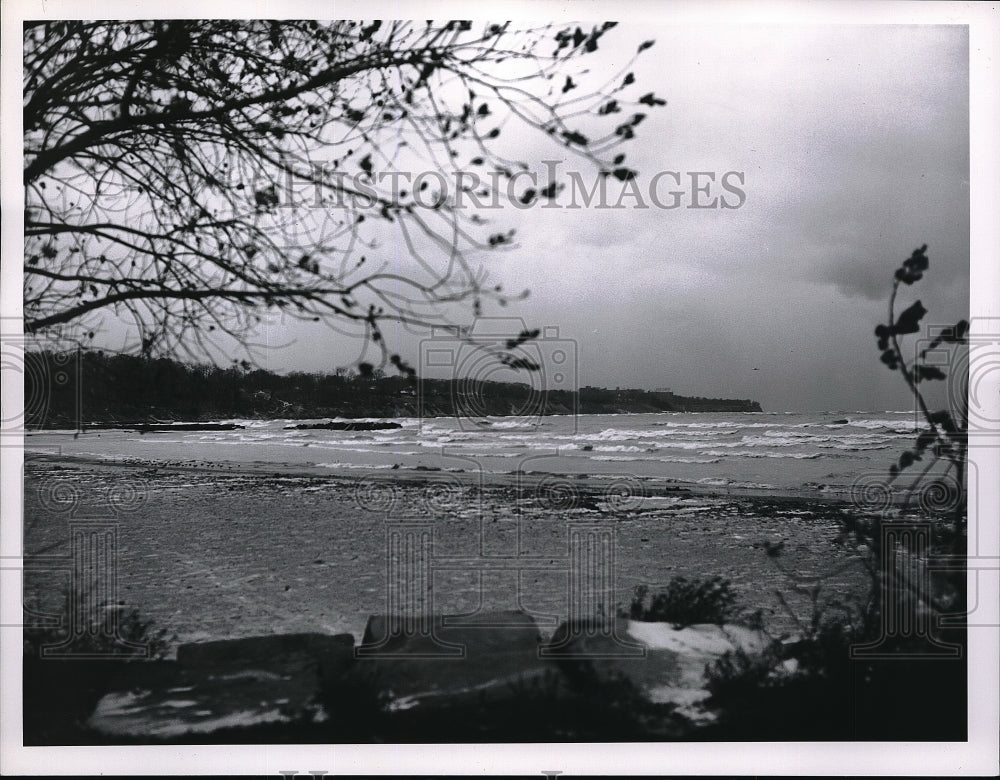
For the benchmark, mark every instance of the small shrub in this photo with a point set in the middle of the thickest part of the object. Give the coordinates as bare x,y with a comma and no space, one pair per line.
132,629
61,691
737,674
821,657
685,602
638,606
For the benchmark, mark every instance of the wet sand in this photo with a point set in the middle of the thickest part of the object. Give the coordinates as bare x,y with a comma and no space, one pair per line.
218,550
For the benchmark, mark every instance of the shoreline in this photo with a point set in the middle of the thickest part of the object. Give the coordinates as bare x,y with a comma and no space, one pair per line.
420,475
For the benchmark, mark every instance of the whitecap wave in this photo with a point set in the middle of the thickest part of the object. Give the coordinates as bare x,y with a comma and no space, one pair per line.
765,454
353,466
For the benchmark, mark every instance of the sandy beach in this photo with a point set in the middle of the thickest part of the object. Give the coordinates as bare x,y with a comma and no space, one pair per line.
211,551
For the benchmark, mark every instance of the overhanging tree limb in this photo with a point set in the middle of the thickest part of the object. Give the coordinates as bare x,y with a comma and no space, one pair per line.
194,172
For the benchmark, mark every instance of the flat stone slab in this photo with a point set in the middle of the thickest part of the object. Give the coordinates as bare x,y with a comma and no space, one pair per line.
223,684
284,652
449,659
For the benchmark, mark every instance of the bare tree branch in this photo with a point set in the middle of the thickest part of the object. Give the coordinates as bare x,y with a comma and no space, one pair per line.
196,175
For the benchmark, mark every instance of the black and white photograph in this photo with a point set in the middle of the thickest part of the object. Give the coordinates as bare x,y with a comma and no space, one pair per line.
604,388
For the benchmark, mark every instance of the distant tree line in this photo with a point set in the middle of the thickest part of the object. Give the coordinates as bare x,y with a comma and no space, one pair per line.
66,389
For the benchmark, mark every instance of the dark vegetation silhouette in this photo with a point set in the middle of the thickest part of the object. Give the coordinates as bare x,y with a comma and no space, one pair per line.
684,602
813,688
193,178
73,686
112,388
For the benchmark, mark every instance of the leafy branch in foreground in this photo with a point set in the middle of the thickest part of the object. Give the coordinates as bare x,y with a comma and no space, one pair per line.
908,694
946,437
943,441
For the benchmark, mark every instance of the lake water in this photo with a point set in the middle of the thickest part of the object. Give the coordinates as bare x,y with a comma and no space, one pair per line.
817,452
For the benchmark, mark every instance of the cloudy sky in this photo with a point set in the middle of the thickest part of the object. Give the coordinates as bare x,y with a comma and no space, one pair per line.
853,145
850,148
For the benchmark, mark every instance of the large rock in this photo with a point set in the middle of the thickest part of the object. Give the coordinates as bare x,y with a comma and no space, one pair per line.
671,667
323,654
222,684
485,657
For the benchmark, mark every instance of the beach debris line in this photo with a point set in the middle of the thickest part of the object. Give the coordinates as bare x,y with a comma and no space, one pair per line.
159,427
